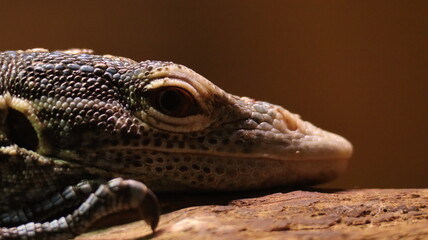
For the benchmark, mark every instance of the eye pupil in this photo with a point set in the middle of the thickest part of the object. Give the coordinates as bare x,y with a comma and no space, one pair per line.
172,101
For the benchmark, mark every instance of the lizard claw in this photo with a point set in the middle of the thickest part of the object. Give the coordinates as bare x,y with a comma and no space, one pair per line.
151,210
144,200
138,196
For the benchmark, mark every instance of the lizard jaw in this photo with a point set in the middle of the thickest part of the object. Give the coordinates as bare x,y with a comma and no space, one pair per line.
289,152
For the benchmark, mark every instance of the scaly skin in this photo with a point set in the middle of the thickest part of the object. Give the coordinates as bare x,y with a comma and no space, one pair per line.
73,125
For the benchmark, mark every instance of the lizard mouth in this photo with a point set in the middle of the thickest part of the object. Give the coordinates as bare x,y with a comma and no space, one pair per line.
318,145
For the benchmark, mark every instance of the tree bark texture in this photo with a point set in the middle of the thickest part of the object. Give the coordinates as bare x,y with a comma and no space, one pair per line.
310,214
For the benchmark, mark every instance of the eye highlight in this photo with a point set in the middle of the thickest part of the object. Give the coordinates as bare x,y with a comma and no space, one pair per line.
172,101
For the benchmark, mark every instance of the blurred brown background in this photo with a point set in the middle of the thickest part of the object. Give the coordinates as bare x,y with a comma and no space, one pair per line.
357,68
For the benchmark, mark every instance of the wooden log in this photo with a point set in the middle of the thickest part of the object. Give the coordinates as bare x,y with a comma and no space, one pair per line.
350,214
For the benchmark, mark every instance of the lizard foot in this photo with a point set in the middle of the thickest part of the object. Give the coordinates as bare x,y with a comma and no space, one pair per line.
94,201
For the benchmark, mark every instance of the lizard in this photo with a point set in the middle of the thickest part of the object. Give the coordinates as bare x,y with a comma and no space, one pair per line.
83,136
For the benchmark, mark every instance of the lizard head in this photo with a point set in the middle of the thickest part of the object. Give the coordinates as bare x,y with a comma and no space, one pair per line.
165,125
203,137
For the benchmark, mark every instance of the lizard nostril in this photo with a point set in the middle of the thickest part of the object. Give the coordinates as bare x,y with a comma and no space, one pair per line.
20,131
290,119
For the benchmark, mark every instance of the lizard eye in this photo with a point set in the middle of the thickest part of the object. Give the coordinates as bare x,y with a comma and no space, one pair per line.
172,101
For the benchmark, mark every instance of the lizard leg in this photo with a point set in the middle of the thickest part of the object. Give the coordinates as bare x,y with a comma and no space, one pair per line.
53,206
114,196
